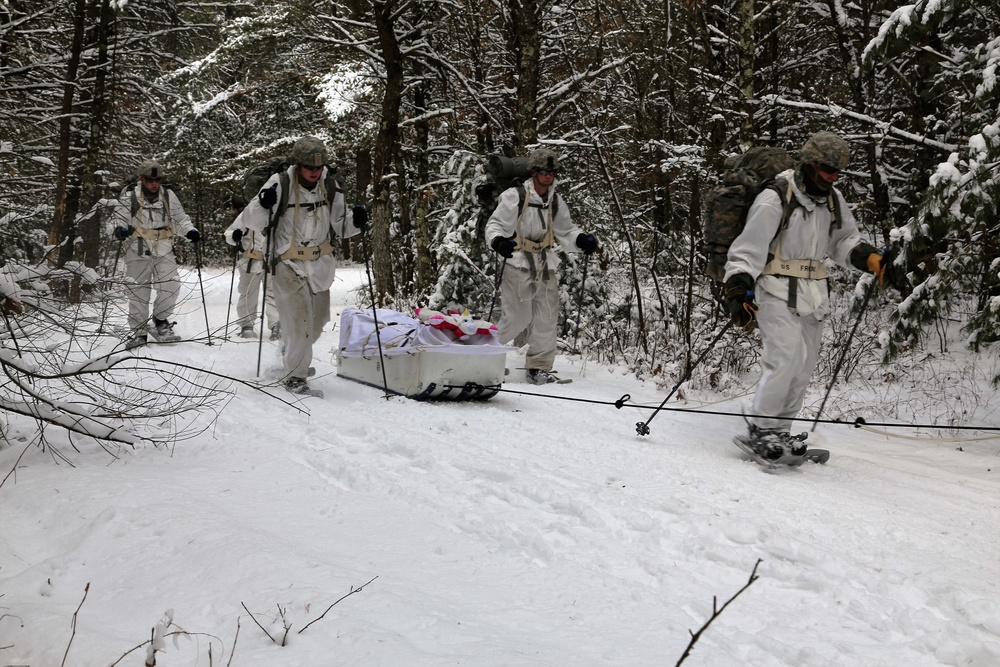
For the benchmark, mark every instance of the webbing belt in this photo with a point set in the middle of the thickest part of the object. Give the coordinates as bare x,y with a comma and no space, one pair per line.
155,234
308,252
250,254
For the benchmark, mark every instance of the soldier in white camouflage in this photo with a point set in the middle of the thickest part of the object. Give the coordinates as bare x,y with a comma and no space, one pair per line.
528,221
146,220
776,279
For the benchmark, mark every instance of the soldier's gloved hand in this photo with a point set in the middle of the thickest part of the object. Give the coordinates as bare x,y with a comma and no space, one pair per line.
739,296
12,306
587,243
360,214
237,236
122,233
193,236
268,198
504,246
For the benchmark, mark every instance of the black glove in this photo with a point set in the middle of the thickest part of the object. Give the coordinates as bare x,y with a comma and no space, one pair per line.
237,236
193,236
504,246
587,243
268,198
122,233
739,295
360,217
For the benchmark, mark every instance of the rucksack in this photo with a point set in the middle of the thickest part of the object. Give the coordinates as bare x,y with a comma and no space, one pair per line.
503,173
257,175
745,177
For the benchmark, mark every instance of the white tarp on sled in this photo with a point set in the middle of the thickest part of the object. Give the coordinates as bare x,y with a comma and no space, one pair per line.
421,361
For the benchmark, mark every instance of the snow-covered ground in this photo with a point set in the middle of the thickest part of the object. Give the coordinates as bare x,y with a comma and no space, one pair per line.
523,530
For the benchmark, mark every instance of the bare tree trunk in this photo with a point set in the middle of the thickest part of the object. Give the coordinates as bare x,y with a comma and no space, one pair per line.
386,143
525,44
746,74
63,224
90,231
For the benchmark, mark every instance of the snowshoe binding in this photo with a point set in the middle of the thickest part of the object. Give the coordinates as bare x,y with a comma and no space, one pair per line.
773,448
538,376
163,331
134,341
300,387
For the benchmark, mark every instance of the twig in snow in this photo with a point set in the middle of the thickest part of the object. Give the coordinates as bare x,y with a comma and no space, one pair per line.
232,651
86,589
716,612
259,625
352,592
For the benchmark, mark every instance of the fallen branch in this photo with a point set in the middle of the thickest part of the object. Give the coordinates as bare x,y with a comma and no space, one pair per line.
352,592
86,589
716,612
258,624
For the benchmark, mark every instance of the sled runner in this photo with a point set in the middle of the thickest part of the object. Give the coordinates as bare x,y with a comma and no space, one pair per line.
430,359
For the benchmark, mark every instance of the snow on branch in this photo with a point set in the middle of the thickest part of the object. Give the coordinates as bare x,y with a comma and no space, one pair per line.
837,110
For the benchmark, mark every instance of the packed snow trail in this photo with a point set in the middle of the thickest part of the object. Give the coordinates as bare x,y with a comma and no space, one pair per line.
521,530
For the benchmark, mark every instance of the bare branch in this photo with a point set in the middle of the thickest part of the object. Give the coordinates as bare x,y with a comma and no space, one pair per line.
716,612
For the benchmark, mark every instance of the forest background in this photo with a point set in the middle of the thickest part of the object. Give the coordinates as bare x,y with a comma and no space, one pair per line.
643,102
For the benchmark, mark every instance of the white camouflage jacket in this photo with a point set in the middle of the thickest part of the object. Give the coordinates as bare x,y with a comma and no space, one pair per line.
310,223
160,214
534,224
807,236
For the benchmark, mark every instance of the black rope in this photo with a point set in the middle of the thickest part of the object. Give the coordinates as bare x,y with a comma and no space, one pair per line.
858,422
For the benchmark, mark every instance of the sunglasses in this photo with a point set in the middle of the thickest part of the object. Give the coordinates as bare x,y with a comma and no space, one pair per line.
546,172
150,179
305,166
827,169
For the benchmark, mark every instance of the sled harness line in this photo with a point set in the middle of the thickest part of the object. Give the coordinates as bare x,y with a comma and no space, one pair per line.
858,422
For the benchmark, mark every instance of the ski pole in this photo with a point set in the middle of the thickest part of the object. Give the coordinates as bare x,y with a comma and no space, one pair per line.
204,305
371,291
579,301
496,289
642,428
229,306
107,277
843,352
267,270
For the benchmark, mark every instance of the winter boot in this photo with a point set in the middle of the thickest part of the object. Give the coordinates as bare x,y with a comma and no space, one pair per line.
163,331
248,332
539,376
777,446
276,332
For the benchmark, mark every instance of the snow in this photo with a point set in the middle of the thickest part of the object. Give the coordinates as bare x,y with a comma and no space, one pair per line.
535,528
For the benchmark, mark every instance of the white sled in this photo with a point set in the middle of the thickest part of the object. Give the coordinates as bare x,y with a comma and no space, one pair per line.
420,361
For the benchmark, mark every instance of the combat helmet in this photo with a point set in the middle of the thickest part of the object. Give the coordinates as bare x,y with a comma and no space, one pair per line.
543,158
150,169
826,148
309,151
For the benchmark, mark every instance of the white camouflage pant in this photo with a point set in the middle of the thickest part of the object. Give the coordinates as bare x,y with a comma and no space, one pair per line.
526,302
145,274
249,295
302,315
791,349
